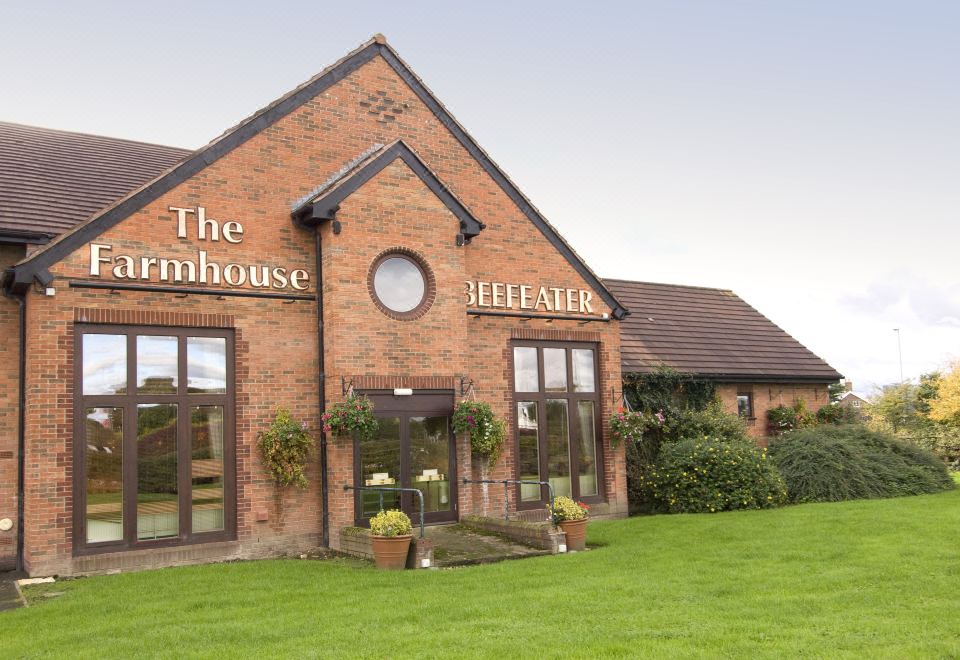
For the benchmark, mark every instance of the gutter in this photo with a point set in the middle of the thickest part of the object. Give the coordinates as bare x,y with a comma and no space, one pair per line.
322,378
21,299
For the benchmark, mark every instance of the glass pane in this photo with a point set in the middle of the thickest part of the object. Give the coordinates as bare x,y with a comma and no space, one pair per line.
555,369
583,371
525,369
380,466
558,446
156,365
207,365
399,284
206,467
104,364
430,462
104,467
743,405
588,449
157,510
528,459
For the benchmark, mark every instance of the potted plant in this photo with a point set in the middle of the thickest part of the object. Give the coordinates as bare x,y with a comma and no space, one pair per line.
571,517
390,532
486,431
355,415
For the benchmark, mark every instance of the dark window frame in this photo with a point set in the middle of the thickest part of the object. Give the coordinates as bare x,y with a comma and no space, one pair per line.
751,413
129,401
421,403
573,430
429,284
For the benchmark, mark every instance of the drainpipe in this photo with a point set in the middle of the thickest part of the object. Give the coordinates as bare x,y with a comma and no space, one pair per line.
322,378
21,299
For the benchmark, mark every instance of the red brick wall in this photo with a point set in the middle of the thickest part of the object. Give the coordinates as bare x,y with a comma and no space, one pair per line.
256,184
771,395
9,408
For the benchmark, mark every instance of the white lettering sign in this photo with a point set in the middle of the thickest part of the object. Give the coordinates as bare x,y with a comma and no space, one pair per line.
201,270
503,295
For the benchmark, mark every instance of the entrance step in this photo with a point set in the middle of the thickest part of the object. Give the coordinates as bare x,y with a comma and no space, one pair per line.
458,545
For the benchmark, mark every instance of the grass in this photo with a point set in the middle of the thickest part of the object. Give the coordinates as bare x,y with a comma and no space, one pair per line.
875,578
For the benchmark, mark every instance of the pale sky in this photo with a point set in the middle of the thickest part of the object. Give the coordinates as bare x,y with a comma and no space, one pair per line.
804,154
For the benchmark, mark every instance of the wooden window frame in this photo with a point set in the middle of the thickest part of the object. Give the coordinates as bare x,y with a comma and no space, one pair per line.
749,394
436,403
129,402
540,398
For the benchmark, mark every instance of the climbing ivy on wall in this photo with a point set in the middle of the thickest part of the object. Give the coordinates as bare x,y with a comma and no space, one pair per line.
667,389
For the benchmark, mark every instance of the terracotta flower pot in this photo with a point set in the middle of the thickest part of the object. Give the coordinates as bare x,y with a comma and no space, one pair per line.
390,552
576,531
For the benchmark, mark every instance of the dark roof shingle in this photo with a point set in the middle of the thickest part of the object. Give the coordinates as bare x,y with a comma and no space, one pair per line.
708,332
52,180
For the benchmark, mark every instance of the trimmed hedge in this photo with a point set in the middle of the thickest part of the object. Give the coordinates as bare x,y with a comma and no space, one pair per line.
834,463
710,475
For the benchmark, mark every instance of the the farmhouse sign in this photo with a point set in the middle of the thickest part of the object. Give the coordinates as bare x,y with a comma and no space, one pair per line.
201,270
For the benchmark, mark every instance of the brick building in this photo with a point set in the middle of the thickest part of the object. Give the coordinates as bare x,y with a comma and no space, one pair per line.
161,304
350,237
715,335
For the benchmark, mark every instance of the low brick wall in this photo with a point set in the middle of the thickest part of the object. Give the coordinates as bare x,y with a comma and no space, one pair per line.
356,541
541,534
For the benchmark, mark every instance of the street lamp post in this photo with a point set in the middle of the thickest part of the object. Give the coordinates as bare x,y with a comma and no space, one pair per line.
899,352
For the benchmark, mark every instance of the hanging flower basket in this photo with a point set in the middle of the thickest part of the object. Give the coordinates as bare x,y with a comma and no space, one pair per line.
630,425
353,416
486,431
284,450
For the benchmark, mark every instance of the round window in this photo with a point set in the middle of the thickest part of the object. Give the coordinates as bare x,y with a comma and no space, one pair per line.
401,285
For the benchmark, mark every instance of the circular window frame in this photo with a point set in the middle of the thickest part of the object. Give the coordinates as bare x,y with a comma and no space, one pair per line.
429,283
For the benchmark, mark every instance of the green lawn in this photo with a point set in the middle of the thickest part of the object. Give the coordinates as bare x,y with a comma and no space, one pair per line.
857,579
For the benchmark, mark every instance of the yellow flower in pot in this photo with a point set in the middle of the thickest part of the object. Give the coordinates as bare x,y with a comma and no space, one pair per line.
571,517
390,532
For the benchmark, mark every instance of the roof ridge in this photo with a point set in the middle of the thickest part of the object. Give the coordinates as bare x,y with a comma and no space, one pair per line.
679,286
62,131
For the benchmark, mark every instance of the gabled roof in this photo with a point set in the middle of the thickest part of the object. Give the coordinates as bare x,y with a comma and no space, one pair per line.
322,203
51,180
36,266
711,333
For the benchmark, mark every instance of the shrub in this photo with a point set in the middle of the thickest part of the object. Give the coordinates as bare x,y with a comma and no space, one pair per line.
390,523
789,418
565,508
642,455
833,463
709,475
711,422
836,414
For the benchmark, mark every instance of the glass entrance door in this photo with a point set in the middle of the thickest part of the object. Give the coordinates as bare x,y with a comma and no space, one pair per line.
413,448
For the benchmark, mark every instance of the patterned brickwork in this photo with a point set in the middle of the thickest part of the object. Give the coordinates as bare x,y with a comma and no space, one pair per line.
276,340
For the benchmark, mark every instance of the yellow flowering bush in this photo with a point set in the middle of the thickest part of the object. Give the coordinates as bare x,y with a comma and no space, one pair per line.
390,523
709,475
565,508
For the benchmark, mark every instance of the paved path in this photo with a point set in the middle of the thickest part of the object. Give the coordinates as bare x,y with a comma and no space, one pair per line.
9,598
455,545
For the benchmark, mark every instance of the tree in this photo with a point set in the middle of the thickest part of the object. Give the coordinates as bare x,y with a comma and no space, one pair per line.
836,391
945,406
896,408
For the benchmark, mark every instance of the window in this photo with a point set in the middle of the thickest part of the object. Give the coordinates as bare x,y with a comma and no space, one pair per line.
557,420
745,405
154,449
856,403
401,284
